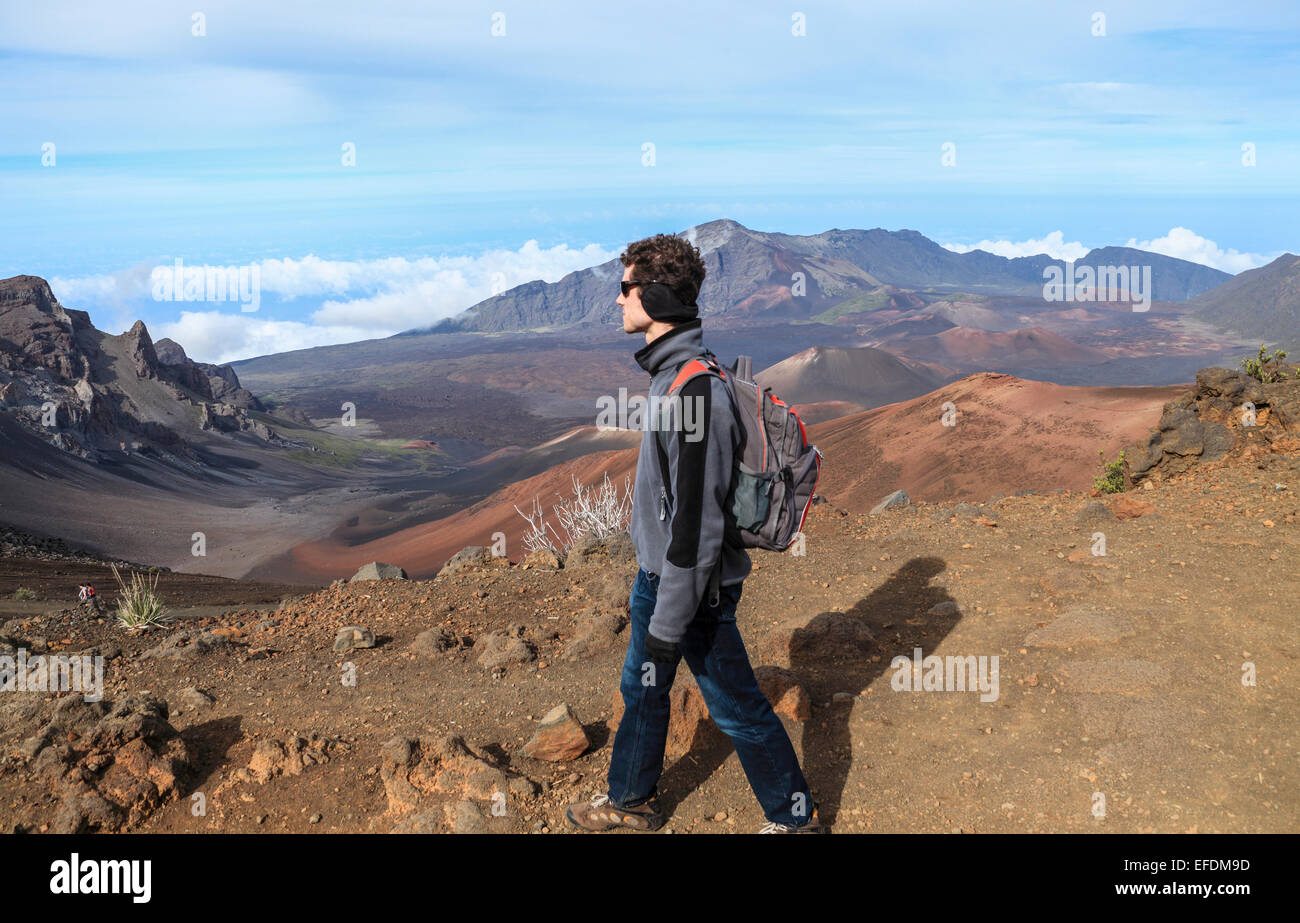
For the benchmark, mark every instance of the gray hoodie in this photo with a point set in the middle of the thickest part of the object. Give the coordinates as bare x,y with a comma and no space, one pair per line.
678,528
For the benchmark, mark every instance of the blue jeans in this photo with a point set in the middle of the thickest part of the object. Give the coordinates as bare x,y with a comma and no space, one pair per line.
716,655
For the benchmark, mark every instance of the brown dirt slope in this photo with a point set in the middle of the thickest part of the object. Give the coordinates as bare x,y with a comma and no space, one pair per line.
1008,434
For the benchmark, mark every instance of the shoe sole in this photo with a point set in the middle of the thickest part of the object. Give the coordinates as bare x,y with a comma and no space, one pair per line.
568,814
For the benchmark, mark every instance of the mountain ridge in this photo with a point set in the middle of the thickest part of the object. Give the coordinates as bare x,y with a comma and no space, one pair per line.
744,264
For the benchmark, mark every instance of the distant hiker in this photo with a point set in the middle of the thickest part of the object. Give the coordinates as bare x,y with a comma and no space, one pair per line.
86,597
678,529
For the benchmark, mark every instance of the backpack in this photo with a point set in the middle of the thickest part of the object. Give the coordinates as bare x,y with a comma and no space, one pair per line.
775,471
90,591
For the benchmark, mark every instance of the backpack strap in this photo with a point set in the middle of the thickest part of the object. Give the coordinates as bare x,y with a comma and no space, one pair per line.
685,372
688,370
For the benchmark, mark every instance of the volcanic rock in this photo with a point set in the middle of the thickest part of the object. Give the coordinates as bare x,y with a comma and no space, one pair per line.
559,737
377,570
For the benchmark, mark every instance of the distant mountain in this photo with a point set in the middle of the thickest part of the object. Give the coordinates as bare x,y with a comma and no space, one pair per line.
843,272
912,325
88,393
864,376
966,348
1172,279
748,272
1263,303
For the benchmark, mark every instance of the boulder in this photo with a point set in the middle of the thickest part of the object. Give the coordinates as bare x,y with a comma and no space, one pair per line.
1094,512
498,650
192,698
559,737
896,499
418,774
190,644
377,570
472,557
1129,507
110,766
353,637
596,631
614,550
272,759
544,558
1205,424
435,641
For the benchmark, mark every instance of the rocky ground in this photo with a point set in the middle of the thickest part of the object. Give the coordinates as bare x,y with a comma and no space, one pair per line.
1120,677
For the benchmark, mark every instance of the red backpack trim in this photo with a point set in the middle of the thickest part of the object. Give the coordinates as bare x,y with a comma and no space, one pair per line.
690,369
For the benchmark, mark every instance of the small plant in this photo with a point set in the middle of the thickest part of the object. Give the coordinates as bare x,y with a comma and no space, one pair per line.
541,535
138,605
600,511
1266,368
23,593
1111,479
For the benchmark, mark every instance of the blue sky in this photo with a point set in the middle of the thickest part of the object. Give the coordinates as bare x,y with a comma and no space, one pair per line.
489,160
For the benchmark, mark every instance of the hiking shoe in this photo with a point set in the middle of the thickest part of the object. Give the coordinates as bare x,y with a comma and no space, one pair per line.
600,814
813,826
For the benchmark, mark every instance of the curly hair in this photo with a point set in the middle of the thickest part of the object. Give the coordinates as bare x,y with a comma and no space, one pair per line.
670,259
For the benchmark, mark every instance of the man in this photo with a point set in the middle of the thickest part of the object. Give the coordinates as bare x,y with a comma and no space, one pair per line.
678,529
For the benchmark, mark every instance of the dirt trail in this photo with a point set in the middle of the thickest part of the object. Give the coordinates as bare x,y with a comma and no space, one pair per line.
1120,677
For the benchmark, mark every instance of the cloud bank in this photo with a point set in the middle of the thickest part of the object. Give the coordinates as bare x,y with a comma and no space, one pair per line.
355,299
1180,242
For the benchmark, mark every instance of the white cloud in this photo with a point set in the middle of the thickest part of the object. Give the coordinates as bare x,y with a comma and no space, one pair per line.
212,336
1054,245
364,298
1179,242
313,276
111,289
1188,245
415,294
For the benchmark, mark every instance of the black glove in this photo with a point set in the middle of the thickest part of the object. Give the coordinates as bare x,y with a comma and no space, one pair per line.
661,651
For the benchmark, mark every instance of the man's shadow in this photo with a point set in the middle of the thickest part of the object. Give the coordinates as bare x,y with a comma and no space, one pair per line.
898,615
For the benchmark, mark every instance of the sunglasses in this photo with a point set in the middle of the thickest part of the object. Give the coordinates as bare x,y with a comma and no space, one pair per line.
626,285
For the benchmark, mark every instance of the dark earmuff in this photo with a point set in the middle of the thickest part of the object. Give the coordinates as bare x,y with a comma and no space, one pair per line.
661,303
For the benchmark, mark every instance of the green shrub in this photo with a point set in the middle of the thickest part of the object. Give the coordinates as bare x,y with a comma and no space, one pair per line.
23,593
1266,368
1111,479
